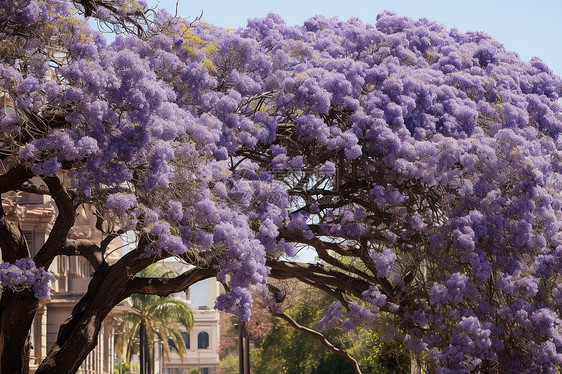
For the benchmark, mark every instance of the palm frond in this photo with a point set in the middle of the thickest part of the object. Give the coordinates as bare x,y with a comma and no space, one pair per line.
164,317
173,311
177,338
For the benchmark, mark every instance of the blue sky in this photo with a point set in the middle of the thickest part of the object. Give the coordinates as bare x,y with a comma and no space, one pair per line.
530,28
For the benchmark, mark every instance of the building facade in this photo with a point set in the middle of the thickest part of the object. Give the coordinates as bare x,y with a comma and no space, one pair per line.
202,342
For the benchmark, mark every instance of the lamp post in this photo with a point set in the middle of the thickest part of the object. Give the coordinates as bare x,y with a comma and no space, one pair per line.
246,351
243,349
241,328
142,353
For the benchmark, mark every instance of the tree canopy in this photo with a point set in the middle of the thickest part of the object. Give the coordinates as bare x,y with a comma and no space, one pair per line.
421,164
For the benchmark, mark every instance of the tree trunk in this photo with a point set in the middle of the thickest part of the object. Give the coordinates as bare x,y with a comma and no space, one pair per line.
149,355
17,310
78,336
414,366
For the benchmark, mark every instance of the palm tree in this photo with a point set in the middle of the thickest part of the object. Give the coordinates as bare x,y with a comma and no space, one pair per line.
153,317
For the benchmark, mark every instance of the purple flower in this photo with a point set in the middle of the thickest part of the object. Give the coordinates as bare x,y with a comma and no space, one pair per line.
328,168
384,262
374,296
332,316
24,274
121,203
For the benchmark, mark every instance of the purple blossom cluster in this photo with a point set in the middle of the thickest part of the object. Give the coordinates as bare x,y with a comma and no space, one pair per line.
24,274
375,297
359,315
332,317
384,262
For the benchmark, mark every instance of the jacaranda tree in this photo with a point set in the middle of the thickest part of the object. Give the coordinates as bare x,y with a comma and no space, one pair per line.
422,165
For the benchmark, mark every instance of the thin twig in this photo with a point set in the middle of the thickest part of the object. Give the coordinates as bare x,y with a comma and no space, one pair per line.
321,338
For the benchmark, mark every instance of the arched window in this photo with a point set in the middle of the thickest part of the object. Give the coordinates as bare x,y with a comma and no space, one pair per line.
185,337
203,340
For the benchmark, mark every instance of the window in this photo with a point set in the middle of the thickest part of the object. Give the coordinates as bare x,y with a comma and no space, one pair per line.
172,344
203,340
204,371
185,336
29,238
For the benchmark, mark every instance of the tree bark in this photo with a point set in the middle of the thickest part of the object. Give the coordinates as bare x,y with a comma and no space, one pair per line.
63,223
17,310
246,351
78,335
14,178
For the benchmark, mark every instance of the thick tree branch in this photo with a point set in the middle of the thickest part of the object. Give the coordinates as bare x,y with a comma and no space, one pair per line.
63,223
108,239
322,249
166,286
90,251
317,274
134,261
321,338
12,240
14,178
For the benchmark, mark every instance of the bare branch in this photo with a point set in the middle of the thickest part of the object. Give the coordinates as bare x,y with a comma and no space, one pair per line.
134,22
322,249
321,338
193,257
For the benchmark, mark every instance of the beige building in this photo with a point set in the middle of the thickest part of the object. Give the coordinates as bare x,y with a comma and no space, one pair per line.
202,342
